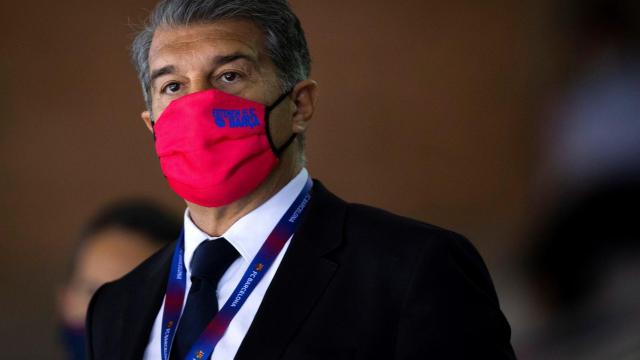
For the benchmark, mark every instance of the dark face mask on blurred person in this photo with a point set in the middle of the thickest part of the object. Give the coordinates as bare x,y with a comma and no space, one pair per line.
73,342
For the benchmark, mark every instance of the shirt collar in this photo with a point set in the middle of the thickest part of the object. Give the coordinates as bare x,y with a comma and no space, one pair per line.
249,232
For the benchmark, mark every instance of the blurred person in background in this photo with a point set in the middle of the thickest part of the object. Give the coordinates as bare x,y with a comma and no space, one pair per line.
585,259
117,239
593,134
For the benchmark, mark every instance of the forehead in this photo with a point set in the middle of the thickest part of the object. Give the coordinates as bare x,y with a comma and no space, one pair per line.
170,43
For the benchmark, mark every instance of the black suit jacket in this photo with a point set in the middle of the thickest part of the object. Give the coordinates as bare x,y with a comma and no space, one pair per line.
356,283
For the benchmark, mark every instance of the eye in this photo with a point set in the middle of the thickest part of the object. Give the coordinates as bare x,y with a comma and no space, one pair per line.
229,77
171,88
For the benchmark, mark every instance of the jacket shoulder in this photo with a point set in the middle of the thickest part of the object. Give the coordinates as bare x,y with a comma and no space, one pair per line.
420,245
385,226
444,272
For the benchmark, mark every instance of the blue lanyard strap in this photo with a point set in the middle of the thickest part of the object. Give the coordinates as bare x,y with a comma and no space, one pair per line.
176,285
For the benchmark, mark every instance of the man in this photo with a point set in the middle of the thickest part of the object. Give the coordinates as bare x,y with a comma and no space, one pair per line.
271,265
115,241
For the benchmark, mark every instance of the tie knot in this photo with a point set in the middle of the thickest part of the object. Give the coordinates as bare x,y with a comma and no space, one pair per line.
211,259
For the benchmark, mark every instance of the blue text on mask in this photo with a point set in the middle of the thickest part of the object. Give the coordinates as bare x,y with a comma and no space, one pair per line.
235,118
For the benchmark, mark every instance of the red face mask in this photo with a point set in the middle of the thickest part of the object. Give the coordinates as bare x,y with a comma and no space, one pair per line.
215,148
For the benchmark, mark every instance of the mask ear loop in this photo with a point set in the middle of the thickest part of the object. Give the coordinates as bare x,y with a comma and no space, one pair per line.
268,109
153,130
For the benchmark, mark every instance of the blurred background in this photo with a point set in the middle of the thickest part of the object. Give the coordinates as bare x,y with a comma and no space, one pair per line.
515,123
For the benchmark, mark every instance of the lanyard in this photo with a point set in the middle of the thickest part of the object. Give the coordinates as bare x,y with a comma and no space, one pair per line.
176,285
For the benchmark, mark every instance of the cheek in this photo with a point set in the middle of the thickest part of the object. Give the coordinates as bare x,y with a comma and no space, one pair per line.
157,110
280,124
74,305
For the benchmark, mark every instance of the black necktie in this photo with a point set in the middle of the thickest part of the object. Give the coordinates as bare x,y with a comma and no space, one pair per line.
210,260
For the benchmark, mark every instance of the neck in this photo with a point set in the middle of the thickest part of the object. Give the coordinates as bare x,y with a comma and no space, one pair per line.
215,221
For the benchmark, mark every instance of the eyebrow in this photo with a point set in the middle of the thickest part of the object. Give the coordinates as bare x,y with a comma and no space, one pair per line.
225,59
165,70
217,61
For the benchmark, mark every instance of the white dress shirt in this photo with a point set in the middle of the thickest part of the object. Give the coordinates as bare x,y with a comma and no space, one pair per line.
247,236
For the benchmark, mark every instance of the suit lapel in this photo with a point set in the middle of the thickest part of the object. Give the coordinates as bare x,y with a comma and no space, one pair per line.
300,279
143,305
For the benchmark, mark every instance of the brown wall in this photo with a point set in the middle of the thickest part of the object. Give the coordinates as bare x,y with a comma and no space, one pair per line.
426,109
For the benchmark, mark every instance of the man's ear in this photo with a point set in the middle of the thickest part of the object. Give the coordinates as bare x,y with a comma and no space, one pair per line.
304,96
146,117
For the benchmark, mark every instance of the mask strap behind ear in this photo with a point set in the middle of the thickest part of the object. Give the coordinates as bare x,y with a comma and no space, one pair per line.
277,102
268,109
153,128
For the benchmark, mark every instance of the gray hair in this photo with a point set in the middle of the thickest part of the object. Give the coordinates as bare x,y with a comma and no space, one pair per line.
284,38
